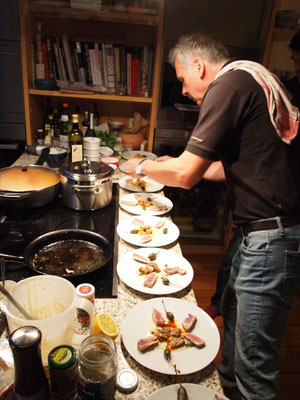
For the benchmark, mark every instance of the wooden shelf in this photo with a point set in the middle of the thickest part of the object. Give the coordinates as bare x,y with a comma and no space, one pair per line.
106,97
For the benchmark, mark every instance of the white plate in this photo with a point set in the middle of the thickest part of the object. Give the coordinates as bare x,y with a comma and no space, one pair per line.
195,392
138,324
135,153
122,166
139,210
128,271
158,238
151,185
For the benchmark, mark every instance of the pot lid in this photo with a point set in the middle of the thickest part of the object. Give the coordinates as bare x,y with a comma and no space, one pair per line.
87,170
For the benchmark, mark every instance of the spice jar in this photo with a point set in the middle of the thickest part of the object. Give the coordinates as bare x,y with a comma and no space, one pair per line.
63,372
85,291
97,368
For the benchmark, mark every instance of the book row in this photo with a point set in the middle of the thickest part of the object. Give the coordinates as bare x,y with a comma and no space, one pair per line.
117,69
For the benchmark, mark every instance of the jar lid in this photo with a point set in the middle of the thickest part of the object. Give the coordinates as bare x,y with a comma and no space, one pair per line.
127,380
87,170
62,357
85,290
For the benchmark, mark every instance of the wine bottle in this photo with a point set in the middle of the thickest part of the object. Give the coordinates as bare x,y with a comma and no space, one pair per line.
96,115
90,130
85,123
76,141
30,380
64,127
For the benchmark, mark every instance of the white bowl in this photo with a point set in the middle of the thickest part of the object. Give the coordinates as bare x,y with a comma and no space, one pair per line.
106,151
110,160
91,152
91,142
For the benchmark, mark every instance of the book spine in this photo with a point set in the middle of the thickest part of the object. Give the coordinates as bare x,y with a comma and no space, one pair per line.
110,68
58,62
45,59
123,72
50,57
93,66
87,64
64,60
117,65
104,64
128,70
98,63
78,51
66,48
74,59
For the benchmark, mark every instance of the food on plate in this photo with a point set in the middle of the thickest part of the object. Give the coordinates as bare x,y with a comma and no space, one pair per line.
195,340
139,156
218,397
131,203
147,343
137,221
145,202
171,333
189,322
106,324
150,279
174,270
137,183
145,239
141,258
159,224
148,268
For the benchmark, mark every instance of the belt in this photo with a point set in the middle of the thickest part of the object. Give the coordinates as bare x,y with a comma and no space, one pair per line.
270,224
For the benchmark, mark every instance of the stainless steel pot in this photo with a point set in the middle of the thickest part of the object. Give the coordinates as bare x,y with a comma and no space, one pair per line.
86,185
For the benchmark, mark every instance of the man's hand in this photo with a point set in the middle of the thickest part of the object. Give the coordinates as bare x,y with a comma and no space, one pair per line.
131,165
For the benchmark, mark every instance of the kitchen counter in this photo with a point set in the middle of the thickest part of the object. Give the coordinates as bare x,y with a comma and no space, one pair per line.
149,381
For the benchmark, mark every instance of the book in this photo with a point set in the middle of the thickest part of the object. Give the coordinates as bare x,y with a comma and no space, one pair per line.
67,54
93,66
45,59
110,67
98,58
64,60
58,61
80,56
87,63
104,64
123,72
128,71
50,58
117,65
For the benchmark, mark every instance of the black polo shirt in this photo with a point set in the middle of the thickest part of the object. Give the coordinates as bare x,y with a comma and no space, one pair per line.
262,172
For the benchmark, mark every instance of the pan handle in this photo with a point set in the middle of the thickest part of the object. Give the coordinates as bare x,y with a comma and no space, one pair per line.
42,158
11,257
8,195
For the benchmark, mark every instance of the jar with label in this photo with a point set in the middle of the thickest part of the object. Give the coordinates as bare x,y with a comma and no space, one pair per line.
63,372
86,291
97,368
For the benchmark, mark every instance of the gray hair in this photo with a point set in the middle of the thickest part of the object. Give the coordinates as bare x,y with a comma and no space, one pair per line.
198,45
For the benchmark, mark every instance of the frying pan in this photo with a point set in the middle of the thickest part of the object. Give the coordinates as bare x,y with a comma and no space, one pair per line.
60,235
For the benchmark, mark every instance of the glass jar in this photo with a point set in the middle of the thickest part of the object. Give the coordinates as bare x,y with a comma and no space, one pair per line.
97,368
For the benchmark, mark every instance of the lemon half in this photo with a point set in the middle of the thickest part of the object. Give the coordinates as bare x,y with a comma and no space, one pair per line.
106,324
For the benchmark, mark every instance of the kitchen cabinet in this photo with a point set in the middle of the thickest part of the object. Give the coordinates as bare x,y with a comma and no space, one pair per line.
130,27
276,54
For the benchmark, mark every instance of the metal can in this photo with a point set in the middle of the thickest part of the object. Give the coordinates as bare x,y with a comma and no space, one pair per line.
86,291
97,368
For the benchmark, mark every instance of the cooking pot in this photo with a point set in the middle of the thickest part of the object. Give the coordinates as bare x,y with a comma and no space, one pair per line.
68,249
86,185
30,186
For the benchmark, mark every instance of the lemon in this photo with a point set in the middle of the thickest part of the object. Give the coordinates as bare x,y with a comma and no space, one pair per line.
106,324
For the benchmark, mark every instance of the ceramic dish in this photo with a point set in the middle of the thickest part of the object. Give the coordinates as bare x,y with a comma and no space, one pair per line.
195,392
138,324
146,203
131,184
128,271
138,154
131,230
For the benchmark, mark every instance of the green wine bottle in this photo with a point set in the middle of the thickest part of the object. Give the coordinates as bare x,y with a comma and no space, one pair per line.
90,130
76,141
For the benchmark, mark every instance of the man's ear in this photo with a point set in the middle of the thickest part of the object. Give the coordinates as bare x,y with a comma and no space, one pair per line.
200,66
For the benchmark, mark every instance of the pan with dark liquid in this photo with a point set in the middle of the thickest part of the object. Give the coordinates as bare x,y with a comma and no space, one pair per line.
66,253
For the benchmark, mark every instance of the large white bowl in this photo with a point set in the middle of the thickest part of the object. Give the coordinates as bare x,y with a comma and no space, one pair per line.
91,142
106,151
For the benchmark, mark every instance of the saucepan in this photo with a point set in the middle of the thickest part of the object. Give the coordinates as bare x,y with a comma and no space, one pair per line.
29,186
66,253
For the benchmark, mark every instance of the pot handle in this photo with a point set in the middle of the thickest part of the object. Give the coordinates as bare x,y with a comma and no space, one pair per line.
11,257
88,306
84,188
14,196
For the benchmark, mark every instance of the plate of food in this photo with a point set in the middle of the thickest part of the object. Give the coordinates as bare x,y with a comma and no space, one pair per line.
155,271
144,184
146,203
190,340
148,231
194,391
138,154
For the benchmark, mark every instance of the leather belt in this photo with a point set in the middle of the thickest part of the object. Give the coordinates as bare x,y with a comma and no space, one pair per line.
270,224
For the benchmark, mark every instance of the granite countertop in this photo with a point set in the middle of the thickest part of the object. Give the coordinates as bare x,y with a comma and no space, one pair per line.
149,381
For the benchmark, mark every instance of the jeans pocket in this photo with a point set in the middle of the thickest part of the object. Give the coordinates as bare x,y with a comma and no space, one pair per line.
292,272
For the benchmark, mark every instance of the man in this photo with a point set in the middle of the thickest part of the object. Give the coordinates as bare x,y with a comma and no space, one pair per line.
293,85
246,131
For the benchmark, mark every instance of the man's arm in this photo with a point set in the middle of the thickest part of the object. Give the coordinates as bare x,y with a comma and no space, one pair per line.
215,172
183,171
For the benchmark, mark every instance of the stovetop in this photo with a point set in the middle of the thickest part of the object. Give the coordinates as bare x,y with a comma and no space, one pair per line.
19,227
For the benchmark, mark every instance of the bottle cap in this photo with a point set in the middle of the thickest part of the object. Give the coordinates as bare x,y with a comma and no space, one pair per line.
127,380
85,290
62,357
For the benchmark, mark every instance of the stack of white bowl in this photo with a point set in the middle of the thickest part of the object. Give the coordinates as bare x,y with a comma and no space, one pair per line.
91,148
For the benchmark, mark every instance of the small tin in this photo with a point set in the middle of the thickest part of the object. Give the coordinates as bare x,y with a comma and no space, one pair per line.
127,380
86,291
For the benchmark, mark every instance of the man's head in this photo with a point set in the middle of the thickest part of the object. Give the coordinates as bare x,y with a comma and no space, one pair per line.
295,49
197,59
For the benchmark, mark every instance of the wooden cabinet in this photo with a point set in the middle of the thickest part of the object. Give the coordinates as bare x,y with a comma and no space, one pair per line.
276,54
129,27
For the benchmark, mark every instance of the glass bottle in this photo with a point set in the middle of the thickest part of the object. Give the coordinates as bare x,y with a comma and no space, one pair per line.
47,131
30,379
64,127
96,115
76,141
63,372
90,130
85,123
97,368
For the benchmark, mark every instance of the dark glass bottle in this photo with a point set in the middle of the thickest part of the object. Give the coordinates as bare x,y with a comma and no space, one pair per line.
76,141
90,130
64,127
85,123
30,381
96,115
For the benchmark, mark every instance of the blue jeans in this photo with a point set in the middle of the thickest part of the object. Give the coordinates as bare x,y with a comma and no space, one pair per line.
256,303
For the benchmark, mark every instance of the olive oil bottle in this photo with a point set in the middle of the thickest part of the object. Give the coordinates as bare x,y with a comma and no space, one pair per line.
76,141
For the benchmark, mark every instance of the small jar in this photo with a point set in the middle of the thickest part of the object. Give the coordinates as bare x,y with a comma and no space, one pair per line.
97,368
86,291
63,372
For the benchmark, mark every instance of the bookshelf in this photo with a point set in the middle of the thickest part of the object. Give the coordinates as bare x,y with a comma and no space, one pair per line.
132,27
